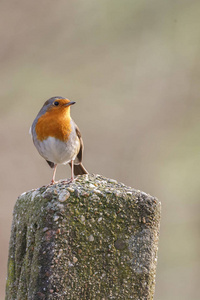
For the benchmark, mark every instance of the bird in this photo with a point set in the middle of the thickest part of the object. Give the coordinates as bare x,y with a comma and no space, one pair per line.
57,137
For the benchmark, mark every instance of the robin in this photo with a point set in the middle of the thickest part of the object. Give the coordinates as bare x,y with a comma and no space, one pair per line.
57,137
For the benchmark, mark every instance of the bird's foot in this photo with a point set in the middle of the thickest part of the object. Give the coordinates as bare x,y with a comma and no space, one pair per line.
69,180
52,182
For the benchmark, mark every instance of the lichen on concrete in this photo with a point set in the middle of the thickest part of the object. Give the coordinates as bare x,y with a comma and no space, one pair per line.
92,239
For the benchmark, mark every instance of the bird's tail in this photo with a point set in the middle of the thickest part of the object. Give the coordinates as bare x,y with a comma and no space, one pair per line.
79,169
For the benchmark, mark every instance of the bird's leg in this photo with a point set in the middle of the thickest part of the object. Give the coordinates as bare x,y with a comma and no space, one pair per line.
54,174
72,171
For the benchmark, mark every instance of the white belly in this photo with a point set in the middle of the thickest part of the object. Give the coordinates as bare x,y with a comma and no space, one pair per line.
59,152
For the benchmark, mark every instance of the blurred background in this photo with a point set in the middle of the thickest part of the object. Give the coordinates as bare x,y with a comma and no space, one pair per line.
133,68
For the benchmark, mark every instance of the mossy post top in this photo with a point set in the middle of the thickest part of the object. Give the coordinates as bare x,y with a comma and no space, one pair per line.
92,239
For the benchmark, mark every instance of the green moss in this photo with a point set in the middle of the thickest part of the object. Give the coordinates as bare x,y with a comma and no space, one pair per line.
11,273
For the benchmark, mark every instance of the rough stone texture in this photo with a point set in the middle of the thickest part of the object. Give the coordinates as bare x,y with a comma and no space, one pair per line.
91,239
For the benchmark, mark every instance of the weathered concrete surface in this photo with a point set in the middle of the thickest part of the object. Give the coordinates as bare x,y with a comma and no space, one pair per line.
92,239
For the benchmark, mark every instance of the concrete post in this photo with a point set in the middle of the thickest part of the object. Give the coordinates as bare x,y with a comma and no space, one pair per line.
91,239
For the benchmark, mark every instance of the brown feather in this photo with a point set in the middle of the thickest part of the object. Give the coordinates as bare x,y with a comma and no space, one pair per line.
80,153
50,163
79,169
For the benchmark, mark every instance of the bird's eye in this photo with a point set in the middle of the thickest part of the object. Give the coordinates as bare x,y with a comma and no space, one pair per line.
56,103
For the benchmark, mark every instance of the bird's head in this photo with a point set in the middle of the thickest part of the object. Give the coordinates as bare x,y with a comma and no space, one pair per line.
56,104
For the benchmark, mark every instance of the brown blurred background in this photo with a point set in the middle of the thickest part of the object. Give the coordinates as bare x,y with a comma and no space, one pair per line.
133,68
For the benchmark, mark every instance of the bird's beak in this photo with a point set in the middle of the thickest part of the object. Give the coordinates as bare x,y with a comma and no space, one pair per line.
69,103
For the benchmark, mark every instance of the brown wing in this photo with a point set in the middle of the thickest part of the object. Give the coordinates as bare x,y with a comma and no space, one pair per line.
79,169
80,153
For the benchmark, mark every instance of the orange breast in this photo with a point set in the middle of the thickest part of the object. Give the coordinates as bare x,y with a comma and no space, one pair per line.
55,124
